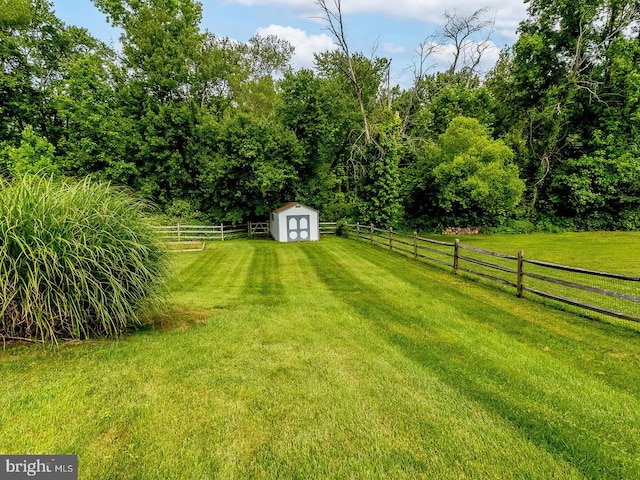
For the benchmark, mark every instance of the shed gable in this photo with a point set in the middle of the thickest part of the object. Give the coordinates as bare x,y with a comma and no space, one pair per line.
294,222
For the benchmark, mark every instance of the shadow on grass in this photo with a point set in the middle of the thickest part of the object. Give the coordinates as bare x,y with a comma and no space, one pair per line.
171,318
264,284
560,423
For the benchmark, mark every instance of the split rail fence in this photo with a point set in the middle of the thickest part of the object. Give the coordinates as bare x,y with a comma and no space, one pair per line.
187,238
609,294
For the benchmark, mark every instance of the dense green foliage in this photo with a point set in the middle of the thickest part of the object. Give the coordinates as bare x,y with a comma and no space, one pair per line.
474,178
337,360
76,259
225,131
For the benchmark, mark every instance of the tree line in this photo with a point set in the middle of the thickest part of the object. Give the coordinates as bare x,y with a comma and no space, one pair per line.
223,131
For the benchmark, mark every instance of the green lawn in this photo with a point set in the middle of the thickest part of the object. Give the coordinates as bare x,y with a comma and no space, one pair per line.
616,252
333,359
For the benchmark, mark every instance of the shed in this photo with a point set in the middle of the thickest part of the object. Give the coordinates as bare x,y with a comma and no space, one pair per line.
294,222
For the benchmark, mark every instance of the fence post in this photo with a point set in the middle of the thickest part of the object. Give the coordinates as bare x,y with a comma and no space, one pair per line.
456,251
222,231
391,239
520,287
357,230
249,228
415,245
372,233
179,235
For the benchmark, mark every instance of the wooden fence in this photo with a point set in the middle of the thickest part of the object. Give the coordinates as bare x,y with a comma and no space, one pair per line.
328,228
194,237
202,233
609,294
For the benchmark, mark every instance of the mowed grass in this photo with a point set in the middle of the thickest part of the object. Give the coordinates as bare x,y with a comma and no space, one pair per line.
615,252
333,359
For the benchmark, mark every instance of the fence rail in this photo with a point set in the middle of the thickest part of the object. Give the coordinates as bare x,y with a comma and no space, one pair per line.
200,234
610,294
257,228
328,228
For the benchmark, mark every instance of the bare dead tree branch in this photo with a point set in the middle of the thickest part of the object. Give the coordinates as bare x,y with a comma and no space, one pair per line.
420,67
426,49
335,26
460,31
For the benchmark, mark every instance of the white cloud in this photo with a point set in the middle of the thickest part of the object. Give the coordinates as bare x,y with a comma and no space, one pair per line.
398,8
508,13
303,7
305,45
399,25
391,48
508,16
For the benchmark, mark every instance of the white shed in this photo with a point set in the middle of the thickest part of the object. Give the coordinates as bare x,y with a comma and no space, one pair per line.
294,222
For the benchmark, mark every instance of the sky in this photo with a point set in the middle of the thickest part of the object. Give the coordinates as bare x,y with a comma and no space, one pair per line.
392,29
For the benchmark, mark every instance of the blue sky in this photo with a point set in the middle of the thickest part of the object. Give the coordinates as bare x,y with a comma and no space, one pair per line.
386,28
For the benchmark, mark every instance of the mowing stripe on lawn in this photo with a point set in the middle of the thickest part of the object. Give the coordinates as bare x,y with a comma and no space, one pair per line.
334,360
573,413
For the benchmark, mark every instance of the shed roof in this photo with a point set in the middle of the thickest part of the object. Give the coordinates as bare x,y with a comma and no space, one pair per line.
289,205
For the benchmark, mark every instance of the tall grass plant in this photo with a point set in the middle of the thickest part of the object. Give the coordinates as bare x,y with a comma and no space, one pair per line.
77,259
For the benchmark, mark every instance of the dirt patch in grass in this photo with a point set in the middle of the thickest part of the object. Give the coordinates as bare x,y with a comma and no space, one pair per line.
176,318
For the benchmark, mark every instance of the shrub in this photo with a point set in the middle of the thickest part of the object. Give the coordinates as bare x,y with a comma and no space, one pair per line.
342,228
77,259
477,181
600,191
35,154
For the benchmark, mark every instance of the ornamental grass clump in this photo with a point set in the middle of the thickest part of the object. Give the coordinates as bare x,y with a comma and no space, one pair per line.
77,259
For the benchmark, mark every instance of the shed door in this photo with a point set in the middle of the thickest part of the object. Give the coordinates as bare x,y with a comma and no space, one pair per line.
298,228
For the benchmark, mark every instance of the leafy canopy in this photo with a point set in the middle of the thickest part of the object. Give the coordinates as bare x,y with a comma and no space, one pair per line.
476,179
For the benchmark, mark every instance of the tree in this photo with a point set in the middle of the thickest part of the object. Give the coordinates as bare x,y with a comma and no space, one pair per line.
232,74
15,13
160,43
476,180
264,57
35,155
564,84
33,42
380,198
445,98
311,109
335,26
249,169
470,37
371,73
599,192
267,55
92,130
220,70
159,95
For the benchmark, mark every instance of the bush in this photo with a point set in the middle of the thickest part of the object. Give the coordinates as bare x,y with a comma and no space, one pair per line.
512,226
342,228
478,183
600,191
35,154
77,259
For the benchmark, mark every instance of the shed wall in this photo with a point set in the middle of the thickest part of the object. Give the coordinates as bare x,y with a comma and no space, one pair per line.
280,219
